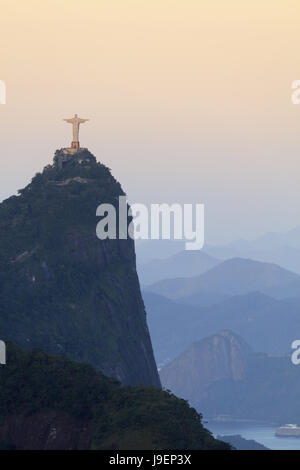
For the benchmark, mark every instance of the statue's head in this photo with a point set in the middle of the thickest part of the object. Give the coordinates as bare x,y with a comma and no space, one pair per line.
76,115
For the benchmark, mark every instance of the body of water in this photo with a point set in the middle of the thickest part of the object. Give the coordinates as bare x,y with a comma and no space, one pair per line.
262,433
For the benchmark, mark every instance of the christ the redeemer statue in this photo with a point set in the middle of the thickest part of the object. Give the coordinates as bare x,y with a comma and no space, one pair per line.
75,121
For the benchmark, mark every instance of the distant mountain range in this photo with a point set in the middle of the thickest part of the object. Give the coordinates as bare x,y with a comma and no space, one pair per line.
183,264
247,289
276,239
222,376
170,256
232,277
239,443
268,325
279,248
149,250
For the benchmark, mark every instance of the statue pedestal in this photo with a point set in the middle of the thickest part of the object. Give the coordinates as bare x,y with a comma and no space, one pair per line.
75,145
72,150
66,155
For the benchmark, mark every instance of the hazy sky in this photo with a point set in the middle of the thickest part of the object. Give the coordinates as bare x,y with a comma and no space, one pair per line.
189,101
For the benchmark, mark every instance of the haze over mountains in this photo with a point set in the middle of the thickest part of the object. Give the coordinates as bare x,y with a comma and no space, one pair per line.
224,377
65,292
268,241
149,250
251,292
182,264
73,303
232,277
285,256
167,259
281,249
268,325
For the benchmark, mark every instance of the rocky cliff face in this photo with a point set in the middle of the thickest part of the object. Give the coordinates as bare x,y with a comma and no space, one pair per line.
218,357
61,288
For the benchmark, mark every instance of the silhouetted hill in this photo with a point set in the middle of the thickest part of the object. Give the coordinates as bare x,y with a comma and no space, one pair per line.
218,357
239,443
51,402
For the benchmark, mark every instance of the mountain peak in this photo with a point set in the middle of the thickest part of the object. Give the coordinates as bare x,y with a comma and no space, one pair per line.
82,157
224,355
62,289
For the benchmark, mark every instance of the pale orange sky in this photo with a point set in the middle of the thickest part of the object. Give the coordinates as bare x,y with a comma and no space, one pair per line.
188,101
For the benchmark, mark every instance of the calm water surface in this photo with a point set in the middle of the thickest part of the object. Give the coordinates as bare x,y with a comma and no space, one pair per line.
262,433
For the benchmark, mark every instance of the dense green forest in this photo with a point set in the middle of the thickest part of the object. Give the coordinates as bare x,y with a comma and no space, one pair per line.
34,383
